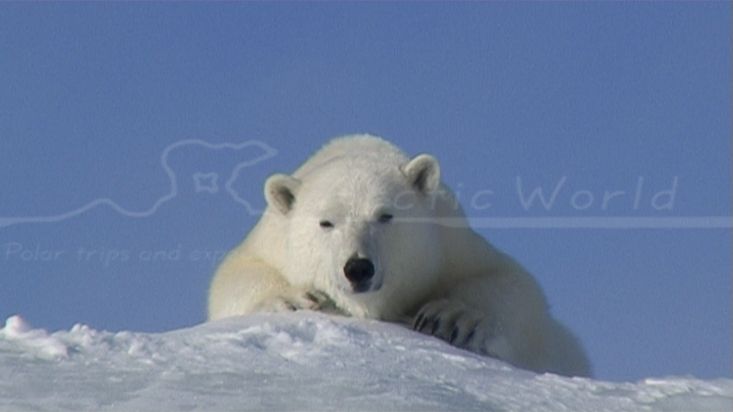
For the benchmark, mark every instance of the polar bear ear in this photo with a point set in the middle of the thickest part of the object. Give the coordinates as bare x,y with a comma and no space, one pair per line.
280,191
423,173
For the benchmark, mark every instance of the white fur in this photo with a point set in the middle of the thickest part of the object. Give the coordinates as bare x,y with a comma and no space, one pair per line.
431,269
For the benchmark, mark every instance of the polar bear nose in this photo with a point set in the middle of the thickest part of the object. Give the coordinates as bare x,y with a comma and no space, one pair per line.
359,270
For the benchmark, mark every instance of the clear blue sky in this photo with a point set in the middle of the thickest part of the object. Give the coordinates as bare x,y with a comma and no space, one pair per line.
596,100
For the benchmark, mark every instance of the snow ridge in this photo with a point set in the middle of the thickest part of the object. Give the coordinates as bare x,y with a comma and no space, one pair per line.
301,361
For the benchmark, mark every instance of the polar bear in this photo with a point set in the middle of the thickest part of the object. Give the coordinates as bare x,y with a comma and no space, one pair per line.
362,230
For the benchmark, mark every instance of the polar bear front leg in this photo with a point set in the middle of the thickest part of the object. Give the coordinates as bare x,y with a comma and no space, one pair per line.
244,285
455,323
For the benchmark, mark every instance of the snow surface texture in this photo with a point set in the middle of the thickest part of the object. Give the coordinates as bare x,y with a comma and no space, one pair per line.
301,361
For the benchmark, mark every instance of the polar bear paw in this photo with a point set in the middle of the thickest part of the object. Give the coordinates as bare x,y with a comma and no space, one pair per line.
463,327
297,300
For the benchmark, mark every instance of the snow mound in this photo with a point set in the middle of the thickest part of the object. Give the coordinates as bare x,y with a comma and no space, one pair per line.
35,340
301,361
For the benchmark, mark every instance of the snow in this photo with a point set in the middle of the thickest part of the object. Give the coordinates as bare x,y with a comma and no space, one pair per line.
301,361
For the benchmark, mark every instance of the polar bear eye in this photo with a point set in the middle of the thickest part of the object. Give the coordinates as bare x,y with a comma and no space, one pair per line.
326,224
385,218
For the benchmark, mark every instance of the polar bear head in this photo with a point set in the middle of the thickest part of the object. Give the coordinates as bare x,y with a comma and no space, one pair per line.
362,230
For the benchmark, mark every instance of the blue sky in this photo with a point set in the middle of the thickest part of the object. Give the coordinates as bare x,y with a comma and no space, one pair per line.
627,102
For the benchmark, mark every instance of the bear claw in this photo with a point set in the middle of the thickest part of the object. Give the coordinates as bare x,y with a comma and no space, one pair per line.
418,321
453,323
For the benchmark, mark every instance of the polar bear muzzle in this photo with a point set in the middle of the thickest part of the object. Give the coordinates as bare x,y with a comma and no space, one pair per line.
359,272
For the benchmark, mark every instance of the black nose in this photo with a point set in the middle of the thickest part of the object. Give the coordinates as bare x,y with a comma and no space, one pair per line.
358,270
